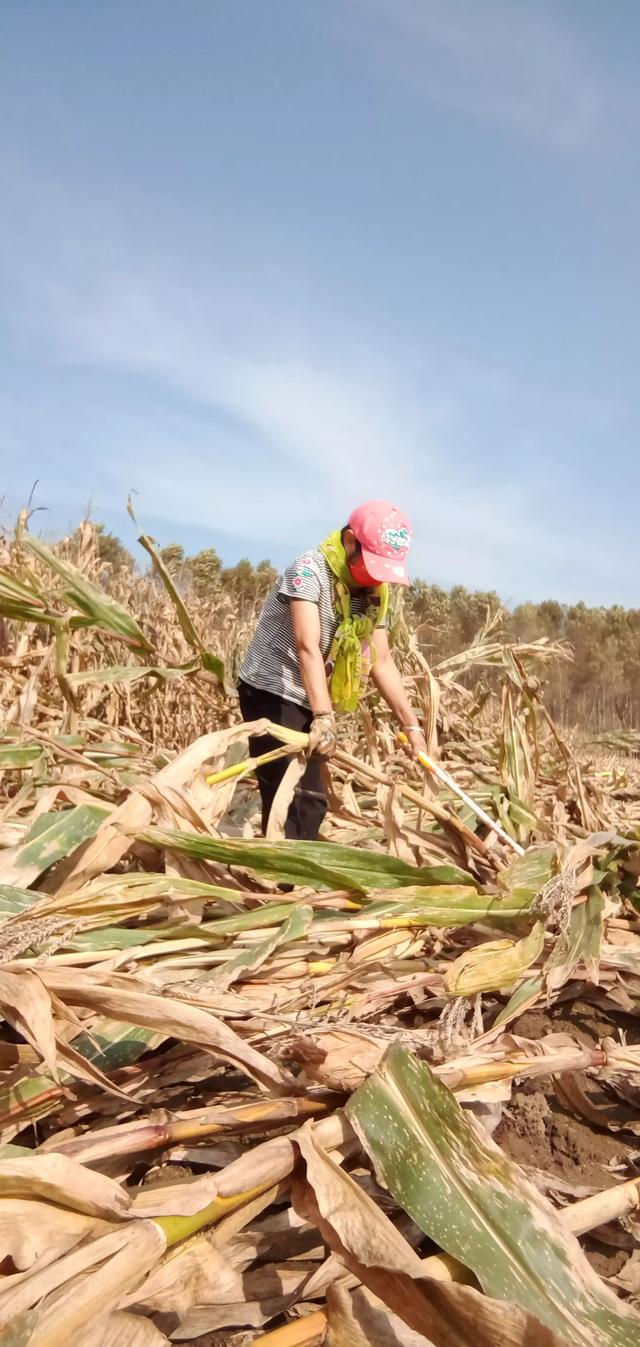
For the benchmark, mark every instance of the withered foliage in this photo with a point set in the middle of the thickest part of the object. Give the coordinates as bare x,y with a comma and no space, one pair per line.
248,1087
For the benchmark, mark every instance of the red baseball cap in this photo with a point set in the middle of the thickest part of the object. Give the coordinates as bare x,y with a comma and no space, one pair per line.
384,535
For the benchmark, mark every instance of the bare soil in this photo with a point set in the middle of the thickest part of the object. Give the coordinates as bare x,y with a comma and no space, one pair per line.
544,1131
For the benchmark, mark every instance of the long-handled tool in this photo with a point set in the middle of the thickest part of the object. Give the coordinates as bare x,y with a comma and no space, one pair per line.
439,772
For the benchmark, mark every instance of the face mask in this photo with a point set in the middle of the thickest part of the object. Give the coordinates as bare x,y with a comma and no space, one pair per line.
360,573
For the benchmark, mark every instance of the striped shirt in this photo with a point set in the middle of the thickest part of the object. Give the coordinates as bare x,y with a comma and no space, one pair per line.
271,662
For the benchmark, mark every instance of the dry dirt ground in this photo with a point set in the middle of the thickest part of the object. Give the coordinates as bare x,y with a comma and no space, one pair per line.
545,1128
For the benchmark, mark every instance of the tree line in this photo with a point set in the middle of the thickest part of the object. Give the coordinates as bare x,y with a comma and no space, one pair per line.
599,689
201,574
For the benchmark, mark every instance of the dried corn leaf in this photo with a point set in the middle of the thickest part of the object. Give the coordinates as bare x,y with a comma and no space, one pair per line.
119,1330
26,1005
121,997
87,1283
57,1179
33,1235
78,592
359,1319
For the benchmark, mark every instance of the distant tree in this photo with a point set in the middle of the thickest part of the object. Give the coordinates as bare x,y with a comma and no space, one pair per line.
448,619
552,618
250,585
173,557
110,549
240,579
203,572
266,575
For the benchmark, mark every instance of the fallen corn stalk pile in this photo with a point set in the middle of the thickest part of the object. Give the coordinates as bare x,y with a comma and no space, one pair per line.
237,1112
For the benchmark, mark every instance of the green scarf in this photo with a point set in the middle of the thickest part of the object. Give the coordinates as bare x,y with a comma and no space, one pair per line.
348,678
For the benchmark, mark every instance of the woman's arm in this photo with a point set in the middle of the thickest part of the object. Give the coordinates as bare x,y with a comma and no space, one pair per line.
305,619
388,681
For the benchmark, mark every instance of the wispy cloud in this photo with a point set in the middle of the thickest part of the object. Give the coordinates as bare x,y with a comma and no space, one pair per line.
220,406
517,65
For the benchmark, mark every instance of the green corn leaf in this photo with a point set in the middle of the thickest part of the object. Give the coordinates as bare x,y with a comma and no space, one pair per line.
517,756
580,944
26,1098
130,673
440,906
79,593
19,756
213,665
496,965
254,956
478,1206
309,863
528,991
214,932
447,905
22,602
119,937
17,900
111,899
526,875
269,915
52,837
112,1045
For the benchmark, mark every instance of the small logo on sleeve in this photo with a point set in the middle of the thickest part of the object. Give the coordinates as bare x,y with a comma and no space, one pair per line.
304,567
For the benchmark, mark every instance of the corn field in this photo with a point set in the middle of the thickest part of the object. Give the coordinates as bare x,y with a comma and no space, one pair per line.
379,1089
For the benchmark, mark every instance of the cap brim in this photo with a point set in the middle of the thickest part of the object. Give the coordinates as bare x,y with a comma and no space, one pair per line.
385,569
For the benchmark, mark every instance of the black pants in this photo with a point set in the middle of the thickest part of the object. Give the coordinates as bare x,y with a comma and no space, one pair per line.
309,804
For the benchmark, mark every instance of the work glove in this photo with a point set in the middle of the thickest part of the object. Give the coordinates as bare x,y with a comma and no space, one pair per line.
323,739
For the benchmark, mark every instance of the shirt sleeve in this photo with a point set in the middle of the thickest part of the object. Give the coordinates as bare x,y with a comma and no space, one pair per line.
380,621
301,580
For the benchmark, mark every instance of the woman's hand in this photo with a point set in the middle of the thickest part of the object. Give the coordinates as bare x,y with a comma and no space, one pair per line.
323,738
416,740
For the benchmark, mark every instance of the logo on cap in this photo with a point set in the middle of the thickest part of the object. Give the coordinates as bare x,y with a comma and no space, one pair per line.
398,539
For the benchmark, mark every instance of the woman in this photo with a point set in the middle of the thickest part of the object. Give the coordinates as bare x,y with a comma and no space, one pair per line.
321,632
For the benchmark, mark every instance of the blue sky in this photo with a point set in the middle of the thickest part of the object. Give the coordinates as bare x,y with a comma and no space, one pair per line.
261,259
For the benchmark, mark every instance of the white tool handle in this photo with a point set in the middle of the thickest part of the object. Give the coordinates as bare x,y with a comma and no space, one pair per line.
448,781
